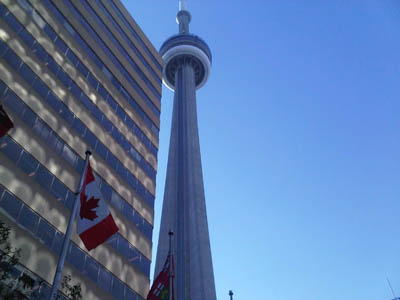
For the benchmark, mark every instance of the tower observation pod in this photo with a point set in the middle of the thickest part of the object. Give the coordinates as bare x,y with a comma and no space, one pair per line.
187,64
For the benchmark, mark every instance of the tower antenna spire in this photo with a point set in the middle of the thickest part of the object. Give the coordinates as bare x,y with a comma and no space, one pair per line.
182,5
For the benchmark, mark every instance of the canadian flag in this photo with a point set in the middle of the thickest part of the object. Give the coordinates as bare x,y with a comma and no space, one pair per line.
95,222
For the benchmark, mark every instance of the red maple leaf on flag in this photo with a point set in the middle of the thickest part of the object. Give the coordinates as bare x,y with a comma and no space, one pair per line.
87,208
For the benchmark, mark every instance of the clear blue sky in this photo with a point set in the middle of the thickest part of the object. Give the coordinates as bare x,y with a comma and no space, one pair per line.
300,139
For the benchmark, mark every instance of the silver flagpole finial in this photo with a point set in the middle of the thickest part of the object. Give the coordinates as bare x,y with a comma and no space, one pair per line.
182,5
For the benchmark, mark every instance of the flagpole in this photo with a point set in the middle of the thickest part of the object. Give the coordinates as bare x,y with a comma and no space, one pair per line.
61,260
171,288
231,294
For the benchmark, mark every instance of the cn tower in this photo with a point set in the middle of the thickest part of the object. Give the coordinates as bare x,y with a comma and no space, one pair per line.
187,65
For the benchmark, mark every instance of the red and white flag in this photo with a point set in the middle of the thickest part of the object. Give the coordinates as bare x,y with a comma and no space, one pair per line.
95,222
163,285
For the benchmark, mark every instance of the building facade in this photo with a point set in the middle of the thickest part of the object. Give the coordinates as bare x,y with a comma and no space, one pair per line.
78,75
187,65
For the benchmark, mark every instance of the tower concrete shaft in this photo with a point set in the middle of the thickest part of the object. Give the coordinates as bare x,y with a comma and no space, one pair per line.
187,60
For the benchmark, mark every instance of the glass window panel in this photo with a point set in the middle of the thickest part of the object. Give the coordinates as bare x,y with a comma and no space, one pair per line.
104,279
113,241
124,143
61,45
70,199
129,294
50,32
45,132
66,114
58,240
106,191
39,51
97,60
55,142
123,246
97,113
86,102
132,180
79,165
91,139
135,155
14,272
121,113
37,126
128,211
40,88
147,230
42,291
10,148
91,269
62,297
11,205
116,135
69,28
112,103
76,257
63,77
145,266
52,65
83,44
155,130
107,124
75,90
44,177
72,57
118,289
99,180
13,23
28,164
93,81
25,5
101,150
138,220
68,155
38,19
59,190
53,101
2,87
82,68
30,119
13,102
121,170
107,72
45,233
79,127
132,126
28,219
12,59
27,74
117,201
102,91
3,47
150,199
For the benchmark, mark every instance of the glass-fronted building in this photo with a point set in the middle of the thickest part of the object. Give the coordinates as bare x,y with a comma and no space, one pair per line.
78,75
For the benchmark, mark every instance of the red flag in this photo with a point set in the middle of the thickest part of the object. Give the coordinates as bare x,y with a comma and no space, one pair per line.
161,286
95,222
5,122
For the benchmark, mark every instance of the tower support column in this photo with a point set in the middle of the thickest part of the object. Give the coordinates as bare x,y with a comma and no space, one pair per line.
187,63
